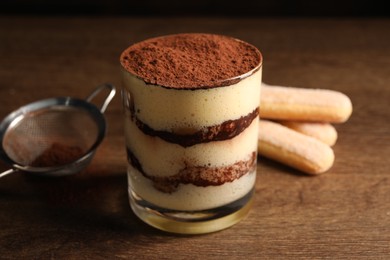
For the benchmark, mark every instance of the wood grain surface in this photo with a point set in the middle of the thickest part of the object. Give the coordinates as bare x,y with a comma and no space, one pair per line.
342,214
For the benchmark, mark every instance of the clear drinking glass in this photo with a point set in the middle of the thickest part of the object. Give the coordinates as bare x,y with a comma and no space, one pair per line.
191,151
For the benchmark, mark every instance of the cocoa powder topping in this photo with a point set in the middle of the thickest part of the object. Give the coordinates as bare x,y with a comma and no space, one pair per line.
191,60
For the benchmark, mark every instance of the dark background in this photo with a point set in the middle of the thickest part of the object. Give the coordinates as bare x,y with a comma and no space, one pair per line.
253,8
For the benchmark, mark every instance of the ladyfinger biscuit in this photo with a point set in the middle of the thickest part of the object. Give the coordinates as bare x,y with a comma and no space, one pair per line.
302,104
324,132
294,149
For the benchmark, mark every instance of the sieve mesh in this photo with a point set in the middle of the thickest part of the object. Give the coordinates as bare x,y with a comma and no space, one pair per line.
36,132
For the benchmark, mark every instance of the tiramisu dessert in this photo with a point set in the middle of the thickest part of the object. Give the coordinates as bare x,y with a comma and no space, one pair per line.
191,127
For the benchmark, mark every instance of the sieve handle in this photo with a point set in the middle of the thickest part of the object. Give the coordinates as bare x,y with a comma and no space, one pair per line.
7,172
108,98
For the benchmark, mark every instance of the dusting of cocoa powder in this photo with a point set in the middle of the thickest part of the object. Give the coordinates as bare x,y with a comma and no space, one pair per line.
192,60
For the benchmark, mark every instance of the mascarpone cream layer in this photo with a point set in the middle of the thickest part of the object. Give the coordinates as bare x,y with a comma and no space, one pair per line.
160,158
186,110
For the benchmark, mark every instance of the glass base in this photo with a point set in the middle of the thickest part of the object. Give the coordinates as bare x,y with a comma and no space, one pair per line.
191,222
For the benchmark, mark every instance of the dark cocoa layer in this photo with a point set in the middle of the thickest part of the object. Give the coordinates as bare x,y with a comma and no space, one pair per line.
227,130
197,175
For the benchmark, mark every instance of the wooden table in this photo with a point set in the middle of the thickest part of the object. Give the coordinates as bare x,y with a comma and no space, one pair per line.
344,213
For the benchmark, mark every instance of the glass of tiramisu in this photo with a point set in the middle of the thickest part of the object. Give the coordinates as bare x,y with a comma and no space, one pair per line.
191,104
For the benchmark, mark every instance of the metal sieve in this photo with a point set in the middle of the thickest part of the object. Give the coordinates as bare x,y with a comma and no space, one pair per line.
56,136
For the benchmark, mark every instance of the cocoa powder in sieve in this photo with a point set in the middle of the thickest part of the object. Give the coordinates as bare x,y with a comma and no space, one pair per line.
192,60
57,155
